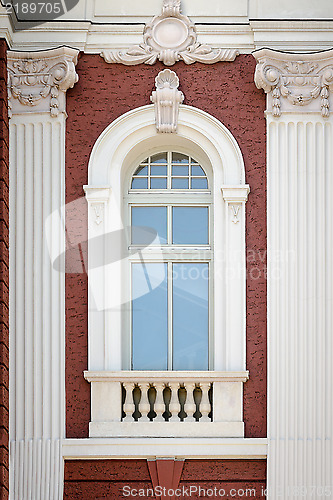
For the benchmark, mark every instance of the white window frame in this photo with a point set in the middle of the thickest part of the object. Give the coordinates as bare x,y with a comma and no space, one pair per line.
114,157
171,253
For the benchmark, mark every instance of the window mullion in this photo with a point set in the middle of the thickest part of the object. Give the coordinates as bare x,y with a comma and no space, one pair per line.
169,223
170,322
169,170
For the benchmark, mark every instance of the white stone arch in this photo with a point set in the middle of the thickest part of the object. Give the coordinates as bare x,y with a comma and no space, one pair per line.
138,126
113,158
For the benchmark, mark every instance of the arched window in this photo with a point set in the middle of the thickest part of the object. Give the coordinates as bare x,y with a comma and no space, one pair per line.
169,205
171,314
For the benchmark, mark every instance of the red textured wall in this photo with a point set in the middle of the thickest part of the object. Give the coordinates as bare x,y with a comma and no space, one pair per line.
4,277
226,91
105,479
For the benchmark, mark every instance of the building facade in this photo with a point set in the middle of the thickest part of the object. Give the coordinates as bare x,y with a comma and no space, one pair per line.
166,254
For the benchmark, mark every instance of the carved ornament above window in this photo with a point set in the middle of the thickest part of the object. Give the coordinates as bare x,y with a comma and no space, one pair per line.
166,99
169,37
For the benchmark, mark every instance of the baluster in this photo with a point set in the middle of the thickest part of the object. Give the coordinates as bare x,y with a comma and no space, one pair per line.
205,403
174,406
190,405
144,406
129,406
159,406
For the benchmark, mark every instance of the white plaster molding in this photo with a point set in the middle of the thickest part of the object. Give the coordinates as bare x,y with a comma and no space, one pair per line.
166,99
36,468
37,332
169,37
299,303
97,197
235,194
295,81
97,193
161,376
235,212
37,322
98,448
38,81
235,197
164,430
137,126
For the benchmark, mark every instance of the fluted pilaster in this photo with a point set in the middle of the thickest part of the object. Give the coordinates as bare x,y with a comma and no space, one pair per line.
37,84
300,276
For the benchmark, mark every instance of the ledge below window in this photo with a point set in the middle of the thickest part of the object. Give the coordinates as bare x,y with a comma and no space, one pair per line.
166,404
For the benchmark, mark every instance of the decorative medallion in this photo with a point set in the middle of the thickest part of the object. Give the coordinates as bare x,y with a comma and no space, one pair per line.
169,37
298,79
166,99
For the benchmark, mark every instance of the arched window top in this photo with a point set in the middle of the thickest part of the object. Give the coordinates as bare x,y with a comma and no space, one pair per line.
169,170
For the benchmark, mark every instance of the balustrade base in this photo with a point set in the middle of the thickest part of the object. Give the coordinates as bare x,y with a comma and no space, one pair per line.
166,429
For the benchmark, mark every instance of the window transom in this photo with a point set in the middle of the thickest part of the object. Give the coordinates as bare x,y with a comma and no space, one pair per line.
169,170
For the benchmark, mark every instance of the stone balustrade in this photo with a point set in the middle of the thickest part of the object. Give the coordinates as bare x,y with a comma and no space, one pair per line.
167,401
170,403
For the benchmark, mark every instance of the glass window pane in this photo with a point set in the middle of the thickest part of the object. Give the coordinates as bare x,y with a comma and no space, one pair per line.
142,170
190,225
149,317
159,158
179,183
140,183
158,170
179,158
190,316
153,218
197,170
158,183
180,170
197,183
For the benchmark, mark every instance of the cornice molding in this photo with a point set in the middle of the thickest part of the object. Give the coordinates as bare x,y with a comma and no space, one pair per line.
38,81
169,37
295,82
166,99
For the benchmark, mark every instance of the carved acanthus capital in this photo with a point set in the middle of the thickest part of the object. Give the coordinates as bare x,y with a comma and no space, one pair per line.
39,80
293,80
166,99
169,37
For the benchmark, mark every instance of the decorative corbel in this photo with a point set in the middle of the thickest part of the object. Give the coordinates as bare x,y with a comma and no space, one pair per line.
166,99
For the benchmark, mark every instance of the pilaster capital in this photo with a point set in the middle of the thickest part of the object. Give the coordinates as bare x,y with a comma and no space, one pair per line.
38,81
295,82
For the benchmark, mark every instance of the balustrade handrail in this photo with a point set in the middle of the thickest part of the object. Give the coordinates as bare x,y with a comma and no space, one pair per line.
165,376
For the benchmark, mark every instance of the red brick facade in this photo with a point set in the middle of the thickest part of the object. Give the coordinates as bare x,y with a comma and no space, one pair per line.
103,93
4,277
105,479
